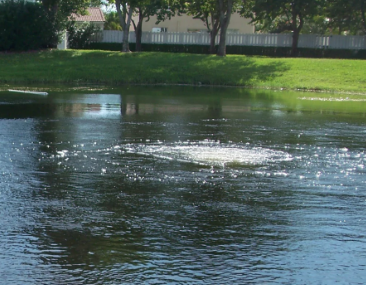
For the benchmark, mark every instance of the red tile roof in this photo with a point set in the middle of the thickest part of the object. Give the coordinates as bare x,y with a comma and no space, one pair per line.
94,14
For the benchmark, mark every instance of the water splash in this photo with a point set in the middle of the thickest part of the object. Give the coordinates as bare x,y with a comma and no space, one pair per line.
213,154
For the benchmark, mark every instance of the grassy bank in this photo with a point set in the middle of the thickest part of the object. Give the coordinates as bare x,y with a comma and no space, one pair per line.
106,67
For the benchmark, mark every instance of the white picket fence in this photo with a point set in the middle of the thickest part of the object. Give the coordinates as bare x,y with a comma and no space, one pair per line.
265,40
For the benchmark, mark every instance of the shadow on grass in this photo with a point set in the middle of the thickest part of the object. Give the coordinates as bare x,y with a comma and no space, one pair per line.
207,69
234,70
145,68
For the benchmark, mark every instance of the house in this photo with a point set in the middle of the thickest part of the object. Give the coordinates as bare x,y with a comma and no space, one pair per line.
185,23
94,15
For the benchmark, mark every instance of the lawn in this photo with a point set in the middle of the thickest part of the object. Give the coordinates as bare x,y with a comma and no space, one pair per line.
112,68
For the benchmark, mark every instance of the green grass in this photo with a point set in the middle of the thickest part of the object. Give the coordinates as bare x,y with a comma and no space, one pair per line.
105,67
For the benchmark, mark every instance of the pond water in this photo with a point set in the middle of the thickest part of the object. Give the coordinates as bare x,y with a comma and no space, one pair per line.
182,185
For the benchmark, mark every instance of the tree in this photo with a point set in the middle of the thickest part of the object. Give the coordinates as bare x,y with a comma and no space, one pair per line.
347,16
144,9
208,13
112,22
124,11
288,15
39,24
225,11
163,9
66,8
25,26
362,11
318,25
216,15
142,13
60,10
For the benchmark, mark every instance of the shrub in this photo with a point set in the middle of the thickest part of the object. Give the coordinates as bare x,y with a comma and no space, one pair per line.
26,26
80,35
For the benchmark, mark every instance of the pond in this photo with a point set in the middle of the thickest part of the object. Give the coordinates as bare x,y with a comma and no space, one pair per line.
182,185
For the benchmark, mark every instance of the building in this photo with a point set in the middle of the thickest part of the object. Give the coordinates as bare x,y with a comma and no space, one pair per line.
94,15
185,23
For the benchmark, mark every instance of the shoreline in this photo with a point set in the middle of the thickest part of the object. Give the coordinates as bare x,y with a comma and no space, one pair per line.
96,86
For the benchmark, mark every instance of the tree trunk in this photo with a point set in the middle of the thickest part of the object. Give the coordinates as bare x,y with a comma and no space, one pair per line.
295,41
125,21
225,15
215,25
126,31
138,33
296,31
213,35
222,43
125,42
138,30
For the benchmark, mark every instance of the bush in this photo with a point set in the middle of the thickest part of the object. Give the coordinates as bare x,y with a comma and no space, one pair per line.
80,35
26,26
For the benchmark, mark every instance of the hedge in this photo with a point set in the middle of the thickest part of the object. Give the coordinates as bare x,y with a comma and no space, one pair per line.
25,26
244,50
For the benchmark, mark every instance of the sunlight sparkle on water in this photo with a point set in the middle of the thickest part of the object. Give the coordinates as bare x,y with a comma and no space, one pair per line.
215,154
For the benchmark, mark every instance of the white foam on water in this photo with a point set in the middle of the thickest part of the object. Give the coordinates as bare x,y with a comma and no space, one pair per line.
332,99
215,155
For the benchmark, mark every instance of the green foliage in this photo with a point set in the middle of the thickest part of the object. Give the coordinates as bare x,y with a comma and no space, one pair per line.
282,15
112,22
26,26
65,8
215,14
318,24
207,11
310,16
61,10
79,35
163,9
347,16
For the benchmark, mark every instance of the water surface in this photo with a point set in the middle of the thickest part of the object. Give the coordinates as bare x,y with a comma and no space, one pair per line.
183,185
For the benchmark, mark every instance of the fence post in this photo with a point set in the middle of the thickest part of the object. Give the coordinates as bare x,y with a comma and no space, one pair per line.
64,42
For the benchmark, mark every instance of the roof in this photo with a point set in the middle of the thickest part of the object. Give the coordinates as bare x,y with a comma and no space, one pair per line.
94,14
